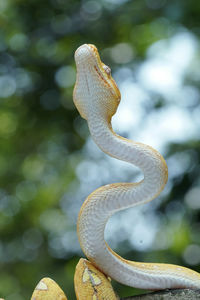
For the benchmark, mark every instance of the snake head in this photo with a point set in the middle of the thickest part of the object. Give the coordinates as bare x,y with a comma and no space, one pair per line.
95,90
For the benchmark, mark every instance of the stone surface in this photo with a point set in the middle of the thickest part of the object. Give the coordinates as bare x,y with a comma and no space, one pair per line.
168,294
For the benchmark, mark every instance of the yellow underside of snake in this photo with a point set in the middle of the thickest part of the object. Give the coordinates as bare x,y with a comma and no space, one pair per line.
97,97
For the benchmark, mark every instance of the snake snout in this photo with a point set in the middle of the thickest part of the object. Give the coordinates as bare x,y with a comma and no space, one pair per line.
82,53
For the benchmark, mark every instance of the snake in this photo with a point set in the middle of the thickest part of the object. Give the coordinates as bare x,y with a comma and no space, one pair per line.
97,97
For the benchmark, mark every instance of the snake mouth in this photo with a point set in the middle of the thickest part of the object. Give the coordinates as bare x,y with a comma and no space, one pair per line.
104,71
102,66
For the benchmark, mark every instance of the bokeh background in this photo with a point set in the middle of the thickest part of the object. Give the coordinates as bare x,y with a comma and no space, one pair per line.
48,162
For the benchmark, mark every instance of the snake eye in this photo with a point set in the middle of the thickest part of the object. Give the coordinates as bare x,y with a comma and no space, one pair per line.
107,69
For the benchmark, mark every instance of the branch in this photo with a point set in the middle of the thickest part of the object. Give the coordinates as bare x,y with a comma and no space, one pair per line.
184,294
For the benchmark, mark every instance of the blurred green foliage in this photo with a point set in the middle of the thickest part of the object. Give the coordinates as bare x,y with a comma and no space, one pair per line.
41,133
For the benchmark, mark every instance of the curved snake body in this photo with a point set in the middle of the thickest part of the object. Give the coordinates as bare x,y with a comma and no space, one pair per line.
96,97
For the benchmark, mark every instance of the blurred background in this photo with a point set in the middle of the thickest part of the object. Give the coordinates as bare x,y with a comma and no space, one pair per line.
48,162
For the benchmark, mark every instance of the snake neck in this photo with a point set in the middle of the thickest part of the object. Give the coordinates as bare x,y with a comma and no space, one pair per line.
150,161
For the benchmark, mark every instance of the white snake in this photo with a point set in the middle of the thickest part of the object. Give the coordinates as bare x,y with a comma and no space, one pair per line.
96,97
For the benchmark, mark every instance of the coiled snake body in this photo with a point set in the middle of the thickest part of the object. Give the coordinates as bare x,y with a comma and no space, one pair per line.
96,97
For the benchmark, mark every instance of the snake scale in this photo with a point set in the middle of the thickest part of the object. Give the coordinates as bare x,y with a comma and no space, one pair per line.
97,97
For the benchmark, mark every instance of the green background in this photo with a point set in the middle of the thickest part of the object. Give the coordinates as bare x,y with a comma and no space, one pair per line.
43,141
